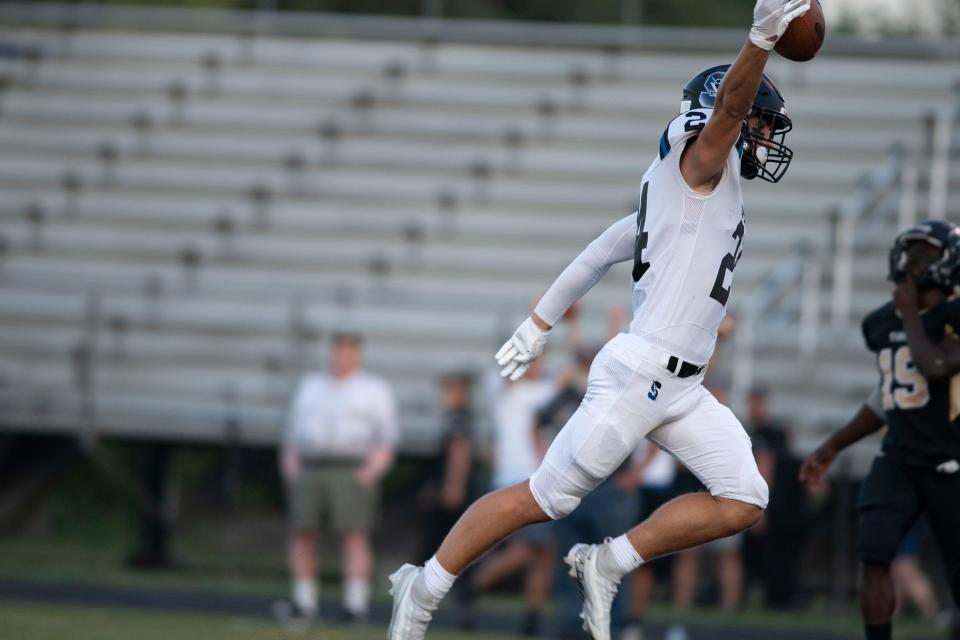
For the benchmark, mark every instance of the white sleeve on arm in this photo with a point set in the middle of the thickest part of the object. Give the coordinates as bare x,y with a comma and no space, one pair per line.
612,246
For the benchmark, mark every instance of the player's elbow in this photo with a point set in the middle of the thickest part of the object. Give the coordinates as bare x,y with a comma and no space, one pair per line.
932,374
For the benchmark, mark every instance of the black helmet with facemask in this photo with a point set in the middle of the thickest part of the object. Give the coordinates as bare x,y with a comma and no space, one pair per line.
763,157
943,272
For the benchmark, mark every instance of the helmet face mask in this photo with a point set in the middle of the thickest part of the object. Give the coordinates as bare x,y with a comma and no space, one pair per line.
765,154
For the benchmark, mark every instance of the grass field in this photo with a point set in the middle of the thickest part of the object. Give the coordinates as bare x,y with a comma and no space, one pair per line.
99,560
20,621
30,621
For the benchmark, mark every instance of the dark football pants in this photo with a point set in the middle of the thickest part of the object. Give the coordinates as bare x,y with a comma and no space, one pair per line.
891,499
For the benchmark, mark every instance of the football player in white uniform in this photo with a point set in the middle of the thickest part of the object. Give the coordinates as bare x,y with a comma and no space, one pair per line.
685,240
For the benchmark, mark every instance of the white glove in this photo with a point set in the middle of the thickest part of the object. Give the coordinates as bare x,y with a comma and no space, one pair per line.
518,353
770,20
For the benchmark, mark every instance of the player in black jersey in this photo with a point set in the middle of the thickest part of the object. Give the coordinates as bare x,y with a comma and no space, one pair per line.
916,338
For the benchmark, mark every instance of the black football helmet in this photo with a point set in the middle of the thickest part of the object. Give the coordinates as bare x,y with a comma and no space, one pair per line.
764,158
944,273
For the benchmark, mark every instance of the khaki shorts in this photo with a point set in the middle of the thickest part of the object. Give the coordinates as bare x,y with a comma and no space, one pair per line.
330,495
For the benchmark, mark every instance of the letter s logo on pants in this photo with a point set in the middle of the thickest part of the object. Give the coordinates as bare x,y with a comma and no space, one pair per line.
654,390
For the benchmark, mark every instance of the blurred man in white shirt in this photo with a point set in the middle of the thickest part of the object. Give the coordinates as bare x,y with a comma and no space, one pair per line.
338,443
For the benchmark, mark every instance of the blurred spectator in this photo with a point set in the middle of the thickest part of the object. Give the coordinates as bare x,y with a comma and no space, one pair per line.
776,539
514,406
446,489
910,582
338,443
611,507
656,470
450,474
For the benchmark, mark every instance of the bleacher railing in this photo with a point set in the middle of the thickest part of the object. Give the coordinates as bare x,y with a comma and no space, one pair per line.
892,187
855,223
858,220
943,123
800,268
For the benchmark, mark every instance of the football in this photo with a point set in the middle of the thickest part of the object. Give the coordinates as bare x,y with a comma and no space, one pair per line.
804,36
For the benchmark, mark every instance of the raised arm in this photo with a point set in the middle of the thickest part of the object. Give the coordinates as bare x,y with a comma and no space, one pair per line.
703,159
612,246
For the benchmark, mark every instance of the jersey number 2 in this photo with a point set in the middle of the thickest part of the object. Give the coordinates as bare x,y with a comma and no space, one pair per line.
902,386
729,263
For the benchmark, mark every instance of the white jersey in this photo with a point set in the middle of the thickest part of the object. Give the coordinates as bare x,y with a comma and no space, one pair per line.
688,244
684,244
341,417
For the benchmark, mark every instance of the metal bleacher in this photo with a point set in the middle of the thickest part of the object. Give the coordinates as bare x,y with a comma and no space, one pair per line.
186,216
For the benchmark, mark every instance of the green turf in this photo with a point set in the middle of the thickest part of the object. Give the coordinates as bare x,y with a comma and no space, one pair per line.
29,621
64,622
65,560
69,561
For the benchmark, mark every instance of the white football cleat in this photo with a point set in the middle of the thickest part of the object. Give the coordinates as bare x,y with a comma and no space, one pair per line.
597,590
409,620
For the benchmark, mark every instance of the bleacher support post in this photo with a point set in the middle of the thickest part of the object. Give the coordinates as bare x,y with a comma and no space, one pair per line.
941,137
810,307
154,544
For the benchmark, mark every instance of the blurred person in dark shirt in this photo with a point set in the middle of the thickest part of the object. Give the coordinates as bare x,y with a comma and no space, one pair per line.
776,541
448,474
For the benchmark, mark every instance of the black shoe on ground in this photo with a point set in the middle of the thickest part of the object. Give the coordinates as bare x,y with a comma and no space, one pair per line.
531,624
353,618
287,613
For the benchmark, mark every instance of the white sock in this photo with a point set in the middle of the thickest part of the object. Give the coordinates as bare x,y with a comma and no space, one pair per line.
305,594
356,597
617,558
432,584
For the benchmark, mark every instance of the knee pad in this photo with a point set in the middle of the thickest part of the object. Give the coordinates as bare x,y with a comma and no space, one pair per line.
559,494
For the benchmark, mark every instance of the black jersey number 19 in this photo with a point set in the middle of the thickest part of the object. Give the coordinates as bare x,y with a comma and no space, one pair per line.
721,293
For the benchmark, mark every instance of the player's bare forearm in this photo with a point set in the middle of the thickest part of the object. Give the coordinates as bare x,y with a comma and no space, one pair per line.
865,422
932,361
740,84
815,466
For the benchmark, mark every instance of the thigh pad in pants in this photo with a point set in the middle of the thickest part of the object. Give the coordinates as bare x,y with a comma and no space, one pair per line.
710,441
